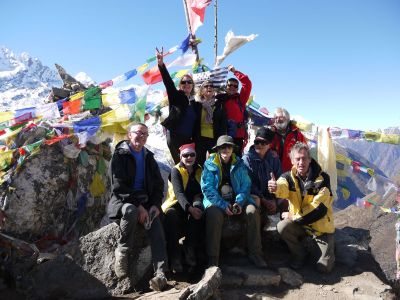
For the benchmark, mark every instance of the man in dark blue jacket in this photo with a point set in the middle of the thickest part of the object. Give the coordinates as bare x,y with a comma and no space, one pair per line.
261,161
137,192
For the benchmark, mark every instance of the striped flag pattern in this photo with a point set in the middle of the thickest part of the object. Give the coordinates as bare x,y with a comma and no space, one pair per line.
217,76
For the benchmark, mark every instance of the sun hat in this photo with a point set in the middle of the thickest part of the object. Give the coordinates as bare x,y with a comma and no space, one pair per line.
224,140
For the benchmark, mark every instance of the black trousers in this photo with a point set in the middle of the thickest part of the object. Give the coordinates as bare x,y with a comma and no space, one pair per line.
203,144
178,224
174,141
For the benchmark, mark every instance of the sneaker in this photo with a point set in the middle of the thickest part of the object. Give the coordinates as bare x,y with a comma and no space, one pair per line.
176,265
158,282
121,262
258,261
190,256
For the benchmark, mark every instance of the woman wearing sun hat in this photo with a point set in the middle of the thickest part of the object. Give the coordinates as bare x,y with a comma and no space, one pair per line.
183,209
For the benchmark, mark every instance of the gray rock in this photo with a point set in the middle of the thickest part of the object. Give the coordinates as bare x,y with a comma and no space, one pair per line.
348,241
208,285
84,269
290,277
251,276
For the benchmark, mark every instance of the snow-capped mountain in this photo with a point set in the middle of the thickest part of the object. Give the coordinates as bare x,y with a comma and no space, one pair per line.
24,80
85,79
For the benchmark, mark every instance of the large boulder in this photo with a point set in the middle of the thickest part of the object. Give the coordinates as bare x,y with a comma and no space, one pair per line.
85,269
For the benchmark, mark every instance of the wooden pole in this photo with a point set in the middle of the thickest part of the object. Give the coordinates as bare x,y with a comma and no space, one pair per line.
192,36
216,31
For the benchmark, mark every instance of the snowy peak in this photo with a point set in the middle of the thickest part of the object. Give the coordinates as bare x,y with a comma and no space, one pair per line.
24,80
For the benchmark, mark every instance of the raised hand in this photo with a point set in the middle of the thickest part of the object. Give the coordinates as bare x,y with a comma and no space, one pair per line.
231,68
272,186
160,56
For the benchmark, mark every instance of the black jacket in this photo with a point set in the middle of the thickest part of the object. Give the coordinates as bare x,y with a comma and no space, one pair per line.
178,101
123,171
219,120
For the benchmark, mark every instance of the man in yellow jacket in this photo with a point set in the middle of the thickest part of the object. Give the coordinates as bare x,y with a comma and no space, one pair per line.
310,208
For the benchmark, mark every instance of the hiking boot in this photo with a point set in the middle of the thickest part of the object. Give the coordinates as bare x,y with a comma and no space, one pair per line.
190,256
158,282
258,261
176,265
121,262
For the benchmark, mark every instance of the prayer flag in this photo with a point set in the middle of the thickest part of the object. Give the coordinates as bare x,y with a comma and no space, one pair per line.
89,125
92,98
196,11
184,60
232,43
152,76
185,44
130,74
106,84
71,107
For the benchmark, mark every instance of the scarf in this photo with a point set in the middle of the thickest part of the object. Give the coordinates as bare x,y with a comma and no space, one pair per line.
208,106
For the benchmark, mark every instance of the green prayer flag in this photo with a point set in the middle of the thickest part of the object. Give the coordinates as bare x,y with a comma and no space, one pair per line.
92,98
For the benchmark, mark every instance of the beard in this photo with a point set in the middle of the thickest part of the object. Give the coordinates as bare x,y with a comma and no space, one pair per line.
282,126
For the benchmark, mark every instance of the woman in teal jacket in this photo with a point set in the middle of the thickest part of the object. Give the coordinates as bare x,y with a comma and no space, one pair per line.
225,184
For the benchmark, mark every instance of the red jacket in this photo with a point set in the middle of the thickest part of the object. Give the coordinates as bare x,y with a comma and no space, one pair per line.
235,111
283,144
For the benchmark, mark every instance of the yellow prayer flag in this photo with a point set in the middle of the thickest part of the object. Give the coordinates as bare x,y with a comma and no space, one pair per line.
372,136
97,187
304,126
346,193
120,114
6,158
76,96
6,116
142,68
181,73
389,138
343,159
370,171
110,99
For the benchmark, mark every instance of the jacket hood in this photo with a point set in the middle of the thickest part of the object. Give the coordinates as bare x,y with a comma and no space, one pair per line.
213,163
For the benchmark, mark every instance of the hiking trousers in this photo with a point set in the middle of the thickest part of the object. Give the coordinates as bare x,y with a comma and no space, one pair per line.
294,235
127,226
215,218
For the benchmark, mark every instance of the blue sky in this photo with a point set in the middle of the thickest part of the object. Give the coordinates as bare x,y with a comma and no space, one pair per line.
336,63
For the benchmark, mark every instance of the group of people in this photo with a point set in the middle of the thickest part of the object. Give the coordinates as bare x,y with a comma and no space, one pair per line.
213,181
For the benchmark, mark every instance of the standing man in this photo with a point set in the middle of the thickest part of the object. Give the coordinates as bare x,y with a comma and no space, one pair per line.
286,135
235,107
310,209
137,192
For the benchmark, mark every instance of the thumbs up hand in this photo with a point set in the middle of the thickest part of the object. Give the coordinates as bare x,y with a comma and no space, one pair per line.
272,186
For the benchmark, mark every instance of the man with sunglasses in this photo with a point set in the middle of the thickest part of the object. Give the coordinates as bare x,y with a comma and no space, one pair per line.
261,163
235,107
137,192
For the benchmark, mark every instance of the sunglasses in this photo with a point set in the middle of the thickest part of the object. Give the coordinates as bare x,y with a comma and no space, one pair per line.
186,82
260,142
208,86
232,85
186,155
140,133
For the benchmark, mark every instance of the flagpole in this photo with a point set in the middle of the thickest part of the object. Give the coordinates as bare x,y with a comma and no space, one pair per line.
192,39
216,31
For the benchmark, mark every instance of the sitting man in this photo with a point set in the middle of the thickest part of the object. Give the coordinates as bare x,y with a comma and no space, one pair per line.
261,162
137,192
310,208
226,188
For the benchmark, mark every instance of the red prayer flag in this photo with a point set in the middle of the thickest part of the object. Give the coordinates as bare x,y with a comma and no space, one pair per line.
57,139
72,107
197,10
152,76
103,85
356,166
